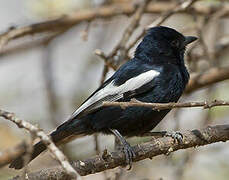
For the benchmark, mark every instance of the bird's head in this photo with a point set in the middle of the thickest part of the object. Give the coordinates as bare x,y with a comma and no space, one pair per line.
161,42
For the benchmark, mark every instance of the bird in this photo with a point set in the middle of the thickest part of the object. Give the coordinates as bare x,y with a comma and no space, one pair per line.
156,74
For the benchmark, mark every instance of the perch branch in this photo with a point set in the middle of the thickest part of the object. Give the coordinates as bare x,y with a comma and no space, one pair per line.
161,106
159,146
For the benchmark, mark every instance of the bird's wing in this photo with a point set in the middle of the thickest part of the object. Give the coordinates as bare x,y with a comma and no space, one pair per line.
113,91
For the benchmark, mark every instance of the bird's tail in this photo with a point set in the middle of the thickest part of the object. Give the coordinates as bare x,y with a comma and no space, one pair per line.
63,134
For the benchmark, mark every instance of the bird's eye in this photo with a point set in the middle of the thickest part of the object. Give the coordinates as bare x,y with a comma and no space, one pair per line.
175,43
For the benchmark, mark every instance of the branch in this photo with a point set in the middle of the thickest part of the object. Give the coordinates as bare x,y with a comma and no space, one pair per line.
161,106
27,45
120,47
178,8
46,139
212,76
102,12
130,29
99,53
150,149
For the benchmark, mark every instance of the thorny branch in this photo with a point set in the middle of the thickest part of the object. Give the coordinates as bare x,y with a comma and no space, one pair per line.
46,139
159,146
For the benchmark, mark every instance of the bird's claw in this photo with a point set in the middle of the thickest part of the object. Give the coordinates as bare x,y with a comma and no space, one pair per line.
176,135
127,149
129,153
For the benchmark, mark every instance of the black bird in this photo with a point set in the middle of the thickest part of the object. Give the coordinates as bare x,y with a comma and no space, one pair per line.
156,74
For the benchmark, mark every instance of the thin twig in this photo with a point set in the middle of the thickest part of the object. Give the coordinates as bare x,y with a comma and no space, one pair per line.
91,14
209,77
46,139
101,54
129,30
180,8
84,33
120,47
161,106
30,44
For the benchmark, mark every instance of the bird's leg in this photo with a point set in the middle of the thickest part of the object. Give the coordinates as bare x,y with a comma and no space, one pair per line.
176,135
129,153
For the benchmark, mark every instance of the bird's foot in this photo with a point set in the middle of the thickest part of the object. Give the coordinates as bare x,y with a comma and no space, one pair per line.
128,150
129,153
176,135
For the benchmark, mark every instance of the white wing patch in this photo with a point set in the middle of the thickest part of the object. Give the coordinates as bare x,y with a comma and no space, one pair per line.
116,92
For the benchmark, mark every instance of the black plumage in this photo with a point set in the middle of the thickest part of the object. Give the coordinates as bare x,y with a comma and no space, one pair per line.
156,74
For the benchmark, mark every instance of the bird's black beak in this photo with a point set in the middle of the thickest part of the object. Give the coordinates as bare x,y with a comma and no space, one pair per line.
189,39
